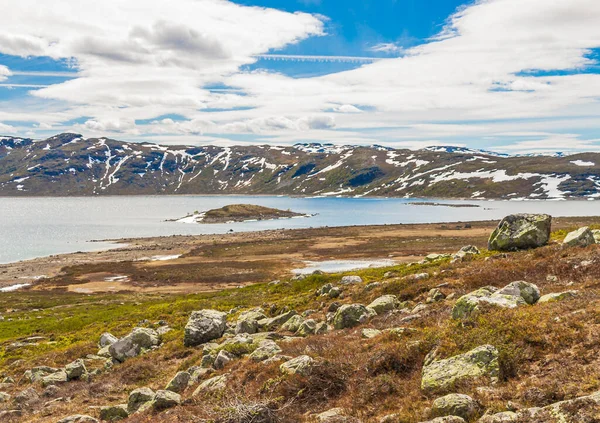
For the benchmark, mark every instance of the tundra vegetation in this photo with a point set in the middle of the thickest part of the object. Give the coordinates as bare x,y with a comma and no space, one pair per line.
461,335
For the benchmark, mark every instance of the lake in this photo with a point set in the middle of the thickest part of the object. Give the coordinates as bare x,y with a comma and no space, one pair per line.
35,227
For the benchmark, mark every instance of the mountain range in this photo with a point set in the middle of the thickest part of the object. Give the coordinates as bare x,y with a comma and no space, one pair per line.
69,165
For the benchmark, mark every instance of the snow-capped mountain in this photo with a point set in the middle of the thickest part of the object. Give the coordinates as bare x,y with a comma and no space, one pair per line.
68,164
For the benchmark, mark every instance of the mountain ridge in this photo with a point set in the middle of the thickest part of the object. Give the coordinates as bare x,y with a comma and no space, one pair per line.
70,165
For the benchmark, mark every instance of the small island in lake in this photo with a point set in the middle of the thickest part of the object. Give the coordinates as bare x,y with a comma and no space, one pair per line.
240,213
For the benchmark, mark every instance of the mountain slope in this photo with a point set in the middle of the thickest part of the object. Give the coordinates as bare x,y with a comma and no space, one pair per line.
68,164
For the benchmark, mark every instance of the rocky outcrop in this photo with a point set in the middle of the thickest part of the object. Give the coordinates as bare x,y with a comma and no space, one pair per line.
441,375
204,326
521,231
582,237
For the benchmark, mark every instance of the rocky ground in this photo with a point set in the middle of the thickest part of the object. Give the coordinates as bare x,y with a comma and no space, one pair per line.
464,334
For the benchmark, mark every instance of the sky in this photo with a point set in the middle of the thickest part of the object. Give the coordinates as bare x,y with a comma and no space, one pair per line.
516,76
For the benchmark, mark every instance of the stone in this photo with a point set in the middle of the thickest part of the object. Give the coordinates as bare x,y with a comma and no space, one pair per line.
223,357
204,326
248,321
293,324
214,384
113,413
301,365
456,405
582,409
446,419
275,322
308,327
139,397
146,338
582,237
324,290
107,339
179,382
321,328
528,291
596,234
132,345
474,302
55,378
166,399
163,330
104,352
79,418
436,257
369,333
557,296
4,397
27,396
504,417
351,315
441,375
266,349
467,252
351,280
434,296
520,232
75,370
325,416
335,292
37,373
384,304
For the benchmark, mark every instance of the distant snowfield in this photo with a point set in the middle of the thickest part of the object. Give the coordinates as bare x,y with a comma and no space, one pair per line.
582,163
335,266
15,287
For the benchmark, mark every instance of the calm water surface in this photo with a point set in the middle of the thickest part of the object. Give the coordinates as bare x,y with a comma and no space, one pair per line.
35,227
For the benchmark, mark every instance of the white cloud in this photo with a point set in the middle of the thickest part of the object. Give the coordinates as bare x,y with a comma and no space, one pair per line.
4,73
7,129
347,108
389,48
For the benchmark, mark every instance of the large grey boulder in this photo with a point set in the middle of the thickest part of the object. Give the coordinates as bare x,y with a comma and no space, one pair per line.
266,349
179,382
277,321
582,237
214,384
204,326
144,337
528,291
308,327
223,357
138,398
293,324
37,373
107,339
132,345
351,315
456,405
79,418
301,365
166,399
55,378
441,375
76,369
351,280
248,321
521,231
384,304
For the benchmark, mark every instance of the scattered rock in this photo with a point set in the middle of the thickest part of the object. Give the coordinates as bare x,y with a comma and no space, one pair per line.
441,375
138,398
134,344
436,257
266,349
214,384
582,237
434,296
384,304
248,321
351,280
55,378
293,324
301,365
4,397
113,413
369,333
75,370
179,382
456,405
557,296
308,327
166,399
521,231
275,322
467,252
528,291
351,315
78,418
204,326
107,339
511,296
596,234
446,419
504,417
223,357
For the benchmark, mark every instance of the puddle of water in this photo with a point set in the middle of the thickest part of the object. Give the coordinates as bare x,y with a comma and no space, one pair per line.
165,258
119,278
16,287
337,266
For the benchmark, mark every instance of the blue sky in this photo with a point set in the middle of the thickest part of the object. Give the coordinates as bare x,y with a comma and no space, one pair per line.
512,75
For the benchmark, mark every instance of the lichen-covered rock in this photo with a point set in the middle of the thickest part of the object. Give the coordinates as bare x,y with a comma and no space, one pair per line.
582,237
133,344
528,291
467,252
277,321
166,399
293,324
351,315
384,304
434,296
557,296
223,357
308,327
324,290
145,337
521,231
266,349
107,339
37,373
248,321
436,257
55,378
75,370
446,419
369,333
27,397
204,326
301,365
179,382
582,409
474,302
456,405
596,234
78,418
138,398
351,280
214,384
441,375
504,417
113,413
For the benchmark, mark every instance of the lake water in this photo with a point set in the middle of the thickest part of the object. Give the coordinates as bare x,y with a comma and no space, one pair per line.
35,227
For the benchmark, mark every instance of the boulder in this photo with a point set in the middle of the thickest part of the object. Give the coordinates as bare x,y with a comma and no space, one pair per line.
75,370
27,397
351,315
138,398
293,324
503,417
79,418
4,397
301,365
146,338
467,252
434,296
384,304
456,405
166,399
107,339
248,321
441,375
308,327
204,326
113,413
275,322
446,419
476,301
436,257
521,231
528,291
324,290
557,296
266,349
55,378
37,373
582,237
179,382
596,234
582,409
134,344
369,333
214,384
335,292
351,280
223,357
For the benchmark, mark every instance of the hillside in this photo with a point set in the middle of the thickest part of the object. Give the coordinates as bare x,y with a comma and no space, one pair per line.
450,335
68,164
